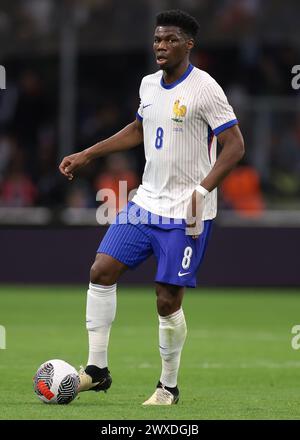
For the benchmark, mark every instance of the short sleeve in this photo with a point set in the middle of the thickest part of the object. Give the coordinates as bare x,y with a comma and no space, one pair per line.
139,113
216,110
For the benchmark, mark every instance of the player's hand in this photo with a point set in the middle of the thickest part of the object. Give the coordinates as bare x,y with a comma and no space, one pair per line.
72,163
194,215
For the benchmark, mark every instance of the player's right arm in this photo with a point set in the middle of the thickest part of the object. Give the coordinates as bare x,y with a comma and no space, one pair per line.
129,137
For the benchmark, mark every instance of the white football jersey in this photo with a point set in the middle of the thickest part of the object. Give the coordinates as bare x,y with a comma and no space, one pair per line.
180,123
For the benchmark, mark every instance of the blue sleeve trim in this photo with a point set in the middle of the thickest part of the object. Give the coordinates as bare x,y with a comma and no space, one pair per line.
223,127
139,117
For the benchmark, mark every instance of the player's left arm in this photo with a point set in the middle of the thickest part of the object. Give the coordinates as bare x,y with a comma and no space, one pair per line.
233,149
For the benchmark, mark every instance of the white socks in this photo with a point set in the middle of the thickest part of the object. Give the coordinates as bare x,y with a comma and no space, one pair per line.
172,334
100,313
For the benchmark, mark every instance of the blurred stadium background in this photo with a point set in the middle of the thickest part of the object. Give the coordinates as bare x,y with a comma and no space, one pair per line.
73,69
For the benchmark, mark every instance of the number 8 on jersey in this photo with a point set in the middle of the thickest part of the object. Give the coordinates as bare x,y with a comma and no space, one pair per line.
159,138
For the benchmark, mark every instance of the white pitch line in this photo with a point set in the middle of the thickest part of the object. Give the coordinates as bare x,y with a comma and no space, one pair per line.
255,364
245,335
242,365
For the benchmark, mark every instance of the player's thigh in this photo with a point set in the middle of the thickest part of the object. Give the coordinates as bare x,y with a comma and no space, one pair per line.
126,243
179,256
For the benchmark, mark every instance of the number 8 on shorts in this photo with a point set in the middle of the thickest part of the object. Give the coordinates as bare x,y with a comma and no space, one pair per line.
187,255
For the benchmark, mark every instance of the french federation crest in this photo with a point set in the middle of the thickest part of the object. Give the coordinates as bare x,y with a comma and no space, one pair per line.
179,111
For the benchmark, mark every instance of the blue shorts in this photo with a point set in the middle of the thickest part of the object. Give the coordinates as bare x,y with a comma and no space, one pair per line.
178,255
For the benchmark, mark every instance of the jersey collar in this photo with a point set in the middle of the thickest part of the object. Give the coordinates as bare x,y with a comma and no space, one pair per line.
179,80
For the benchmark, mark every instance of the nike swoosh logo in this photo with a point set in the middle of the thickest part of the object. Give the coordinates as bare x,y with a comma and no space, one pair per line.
148,105
180,274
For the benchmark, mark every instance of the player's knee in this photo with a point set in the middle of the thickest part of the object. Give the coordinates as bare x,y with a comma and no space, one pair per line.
165,305
169,299
102,274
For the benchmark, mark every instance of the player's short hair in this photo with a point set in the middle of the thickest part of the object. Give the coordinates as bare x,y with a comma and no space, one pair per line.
181,19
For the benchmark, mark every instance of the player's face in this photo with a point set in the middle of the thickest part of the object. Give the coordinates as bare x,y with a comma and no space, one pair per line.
171,46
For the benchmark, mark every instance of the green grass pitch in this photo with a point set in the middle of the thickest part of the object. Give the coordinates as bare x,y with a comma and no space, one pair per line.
237,362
